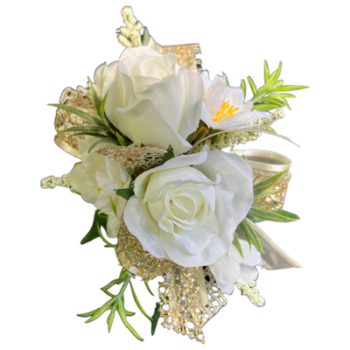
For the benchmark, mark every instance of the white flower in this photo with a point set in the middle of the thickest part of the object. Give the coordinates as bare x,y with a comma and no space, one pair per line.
232,268
151,99
96,178
130,35
224,107
187,210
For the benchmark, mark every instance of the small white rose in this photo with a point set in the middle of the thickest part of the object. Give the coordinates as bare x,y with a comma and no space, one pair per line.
223,106
188,209
232,268
96,178
151,99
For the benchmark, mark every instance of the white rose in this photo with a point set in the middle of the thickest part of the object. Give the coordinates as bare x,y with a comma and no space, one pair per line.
232,268
151,99
224,107
96,178
188,209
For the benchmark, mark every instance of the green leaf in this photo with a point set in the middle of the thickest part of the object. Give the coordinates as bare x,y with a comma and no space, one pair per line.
111,316
120,138
168,155
102,76
96,99
102,112
243,86
273,101
266,72
138,303
237,245
103,140
251,235
252,85
274,95
83,115
114,207
265,194
290,88
93,129
275,75
281,99
148,288
92,234
100,136
145,36
265,106
226,79
125,193
155,318
266,184
277,216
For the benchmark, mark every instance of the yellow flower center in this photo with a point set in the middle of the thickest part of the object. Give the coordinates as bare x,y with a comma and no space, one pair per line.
226,111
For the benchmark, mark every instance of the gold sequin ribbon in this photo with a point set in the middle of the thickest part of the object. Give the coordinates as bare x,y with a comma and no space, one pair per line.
189,297
266,164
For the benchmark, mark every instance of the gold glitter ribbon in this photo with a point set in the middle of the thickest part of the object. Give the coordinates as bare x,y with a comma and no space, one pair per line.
266,164
189,296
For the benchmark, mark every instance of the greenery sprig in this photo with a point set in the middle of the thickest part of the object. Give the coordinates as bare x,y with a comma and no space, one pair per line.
116,303
260,190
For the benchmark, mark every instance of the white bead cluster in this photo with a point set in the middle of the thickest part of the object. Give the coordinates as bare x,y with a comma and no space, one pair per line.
52,182
251,293
130,35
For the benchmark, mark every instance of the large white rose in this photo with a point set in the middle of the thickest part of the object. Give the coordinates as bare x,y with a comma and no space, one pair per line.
224,107
96,178
188,209
232,268
151,99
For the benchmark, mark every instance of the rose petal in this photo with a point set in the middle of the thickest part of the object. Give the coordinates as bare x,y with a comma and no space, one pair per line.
141,224
226,272
248,274
252,256
142,180
237,177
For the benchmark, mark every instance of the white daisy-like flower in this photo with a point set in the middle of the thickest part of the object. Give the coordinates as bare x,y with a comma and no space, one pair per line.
224,107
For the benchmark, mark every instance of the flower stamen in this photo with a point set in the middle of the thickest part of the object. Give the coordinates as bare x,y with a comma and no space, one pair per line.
226,111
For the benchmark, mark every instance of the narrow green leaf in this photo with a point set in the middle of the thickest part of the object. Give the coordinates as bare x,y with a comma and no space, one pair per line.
277,216
290,88
237,245
226,79
271,129
148,288
120,138
103,140
265,194
88,314
266,184
92,234
155,318
83,115
114,207
266,72
243,86
138,303
111,316
280,99
263,107
96,99
102,112
274,95
251,234
168,155
273,101
94,129
100,136
125,193
145,36
252,85
102,76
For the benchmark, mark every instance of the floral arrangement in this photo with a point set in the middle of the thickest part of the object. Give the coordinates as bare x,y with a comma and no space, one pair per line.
150,132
